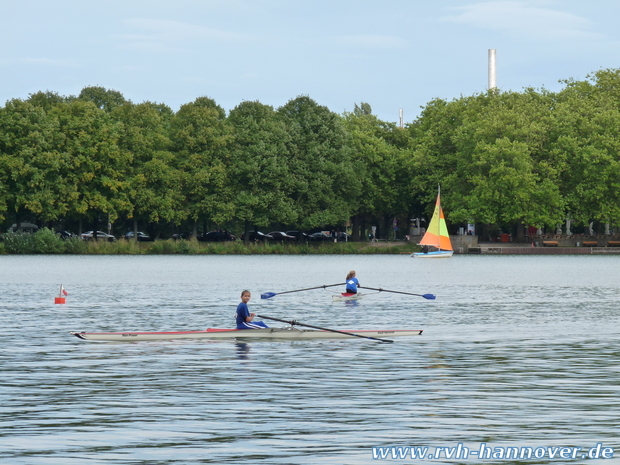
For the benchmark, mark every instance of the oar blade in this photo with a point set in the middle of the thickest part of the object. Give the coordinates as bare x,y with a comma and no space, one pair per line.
268,295
429,296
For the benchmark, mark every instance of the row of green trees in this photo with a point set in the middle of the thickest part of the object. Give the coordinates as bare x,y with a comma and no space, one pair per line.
533,157
502,158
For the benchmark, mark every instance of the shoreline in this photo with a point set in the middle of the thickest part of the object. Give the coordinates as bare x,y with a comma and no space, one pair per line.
194,247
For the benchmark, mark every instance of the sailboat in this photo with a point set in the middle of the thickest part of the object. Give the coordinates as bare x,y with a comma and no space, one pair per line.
436,235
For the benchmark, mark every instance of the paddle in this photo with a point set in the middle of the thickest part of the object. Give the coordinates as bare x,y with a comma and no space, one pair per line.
297,323
426,296
269,295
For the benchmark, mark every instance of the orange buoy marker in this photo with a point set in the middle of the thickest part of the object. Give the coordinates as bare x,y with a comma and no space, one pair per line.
61,296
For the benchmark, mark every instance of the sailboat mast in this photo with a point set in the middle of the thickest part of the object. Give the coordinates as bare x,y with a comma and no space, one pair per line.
439,216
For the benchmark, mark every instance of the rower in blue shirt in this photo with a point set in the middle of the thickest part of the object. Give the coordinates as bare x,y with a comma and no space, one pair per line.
244,317
352,283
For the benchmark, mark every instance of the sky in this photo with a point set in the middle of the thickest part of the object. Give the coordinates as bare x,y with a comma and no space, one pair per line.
392,54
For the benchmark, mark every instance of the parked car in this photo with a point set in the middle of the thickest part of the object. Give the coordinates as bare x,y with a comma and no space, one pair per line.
101,236
141,237
216,236
182,235
259,236
320,237
344,237
24,227
300,236
282,236
64,235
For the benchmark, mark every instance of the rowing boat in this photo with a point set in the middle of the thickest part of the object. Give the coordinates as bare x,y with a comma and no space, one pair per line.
345,296
267,333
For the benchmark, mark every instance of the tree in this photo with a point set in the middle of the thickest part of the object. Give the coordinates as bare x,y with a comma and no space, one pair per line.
362,109
200,138
380,166
30,168
104,99
490,153
154,187
48,100
586,143
94,169
325,185
260,167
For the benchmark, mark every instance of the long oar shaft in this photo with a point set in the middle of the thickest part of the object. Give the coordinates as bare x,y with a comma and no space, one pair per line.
426,296
312,288
268,295
297,323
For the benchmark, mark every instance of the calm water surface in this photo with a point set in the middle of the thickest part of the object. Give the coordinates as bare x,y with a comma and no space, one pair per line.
516,351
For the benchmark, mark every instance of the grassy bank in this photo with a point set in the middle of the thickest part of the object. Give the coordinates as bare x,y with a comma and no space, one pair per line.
45,241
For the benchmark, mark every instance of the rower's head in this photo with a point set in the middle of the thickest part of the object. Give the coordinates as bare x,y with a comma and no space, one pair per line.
245,296
351,274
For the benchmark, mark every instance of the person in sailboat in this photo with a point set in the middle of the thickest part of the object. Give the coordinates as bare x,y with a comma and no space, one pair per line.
352,283
245,319
425,249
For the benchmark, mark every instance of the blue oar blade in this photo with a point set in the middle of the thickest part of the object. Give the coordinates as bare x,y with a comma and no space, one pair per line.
268,295
429,296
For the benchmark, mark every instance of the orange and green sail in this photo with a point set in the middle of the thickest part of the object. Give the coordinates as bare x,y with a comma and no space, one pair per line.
437,231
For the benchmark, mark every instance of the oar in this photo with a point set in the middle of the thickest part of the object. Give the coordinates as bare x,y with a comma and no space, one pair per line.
269,295
426,296
297,323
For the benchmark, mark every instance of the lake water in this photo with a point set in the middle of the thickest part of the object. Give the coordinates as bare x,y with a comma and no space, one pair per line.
516,351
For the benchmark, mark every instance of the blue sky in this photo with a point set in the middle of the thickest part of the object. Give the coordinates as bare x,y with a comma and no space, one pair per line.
391,54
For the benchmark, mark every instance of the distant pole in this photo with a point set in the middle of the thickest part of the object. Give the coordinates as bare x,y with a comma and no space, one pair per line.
492,69
401,118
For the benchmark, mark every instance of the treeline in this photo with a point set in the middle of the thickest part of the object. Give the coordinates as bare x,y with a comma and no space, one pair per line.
503,159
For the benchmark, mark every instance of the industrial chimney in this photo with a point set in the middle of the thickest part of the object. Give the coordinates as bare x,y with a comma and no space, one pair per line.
492,70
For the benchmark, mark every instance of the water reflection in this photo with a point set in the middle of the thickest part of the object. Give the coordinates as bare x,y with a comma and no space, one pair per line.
243,350
511,353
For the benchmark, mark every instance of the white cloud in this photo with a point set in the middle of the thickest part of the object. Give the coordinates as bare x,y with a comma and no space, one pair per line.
166,36
47,62
129,68
193,80
526,20
373,41
154,46
167,30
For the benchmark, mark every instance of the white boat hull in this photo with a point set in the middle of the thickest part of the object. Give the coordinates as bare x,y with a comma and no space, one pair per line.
436,254
268,333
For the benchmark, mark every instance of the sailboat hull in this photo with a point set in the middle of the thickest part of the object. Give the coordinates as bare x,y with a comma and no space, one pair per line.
436,254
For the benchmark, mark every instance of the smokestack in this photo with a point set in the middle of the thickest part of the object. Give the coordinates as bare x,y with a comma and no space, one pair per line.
401,117
492,70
